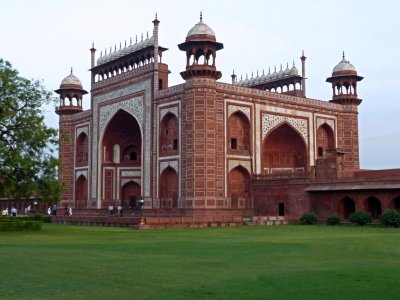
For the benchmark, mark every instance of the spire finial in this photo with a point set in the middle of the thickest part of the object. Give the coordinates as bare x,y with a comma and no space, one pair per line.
233,71
343,54
147,34
263,72
156,15
125,43
201,16
136,39
293,62
92,44
120,45
71,70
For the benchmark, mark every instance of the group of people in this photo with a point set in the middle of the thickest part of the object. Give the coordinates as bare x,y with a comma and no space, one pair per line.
111,210
52,210
13,211
6,212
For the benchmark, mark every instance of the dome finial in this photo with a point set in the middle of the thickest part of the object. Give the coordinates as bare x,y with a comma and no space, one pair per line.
71,70
343,55
156,15
201,16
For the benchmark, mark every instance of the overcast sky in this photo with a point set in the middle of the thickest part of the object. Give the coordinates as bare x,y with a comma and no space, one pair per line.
44,38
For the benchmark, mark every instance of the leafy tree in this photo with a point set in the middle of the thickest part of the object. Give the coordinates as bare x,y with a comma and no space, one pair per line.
27,165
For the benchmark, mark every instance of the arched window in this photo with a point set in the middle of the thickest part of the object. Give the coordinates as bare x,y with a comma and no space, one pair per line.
325,140
169,186
284,151
239,187
169,135
82,150
238,134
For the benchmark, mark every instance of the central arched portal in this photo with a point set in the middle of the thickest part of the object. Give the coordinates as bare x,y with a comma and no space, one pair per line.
121,151
131,194
284,151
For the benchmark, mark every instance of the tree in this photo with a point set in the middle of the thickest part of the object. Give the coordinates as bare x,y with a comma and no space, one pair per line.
27,165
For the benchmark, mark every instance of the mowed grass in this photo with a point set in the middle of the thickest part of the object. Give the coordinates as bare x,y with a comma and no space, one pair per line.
274,262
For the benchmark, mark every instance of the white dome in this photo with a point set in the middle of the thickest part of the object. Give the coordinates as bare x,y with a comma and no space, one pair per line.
344,65
200,28
71,79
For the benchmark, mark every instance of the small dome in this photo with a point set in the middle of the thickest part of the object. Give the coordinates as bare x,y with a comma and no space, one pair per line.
287,71
344,65
71,79
294,71
200,28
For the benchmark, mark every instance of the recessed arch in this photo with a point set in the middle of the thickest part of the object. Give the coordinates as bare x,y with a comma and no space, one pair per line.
325,139
123,130
81,192
169,135
238,133
396,203
169,188
347,206
239,187
82,149
284,150
131,193
373,206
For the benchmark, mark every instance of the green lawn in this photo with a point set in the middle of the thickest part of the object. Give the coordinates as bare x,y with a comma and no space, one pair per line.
274,262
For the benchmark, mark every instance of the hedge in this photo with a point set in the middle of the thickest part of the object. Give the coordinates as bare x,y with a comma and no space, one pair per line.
18,225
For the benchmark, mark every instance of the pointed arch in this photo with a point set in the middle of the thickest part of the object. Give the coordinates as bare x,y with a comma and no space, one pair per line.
396,203
81,192
131,193
347,206
239,187
123,130
284,150
238,133
325,139
373,205
82,149
169,135
169,188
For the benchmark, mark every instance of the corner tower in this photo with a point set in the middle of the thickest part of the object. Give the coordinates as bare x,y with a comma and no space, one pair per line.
71,93
203,185
344,85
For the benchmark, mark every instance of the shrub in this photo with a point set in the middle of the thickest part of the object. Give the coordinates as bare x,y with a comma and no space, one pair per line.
390,218
333,220
360,217
17,225
308,218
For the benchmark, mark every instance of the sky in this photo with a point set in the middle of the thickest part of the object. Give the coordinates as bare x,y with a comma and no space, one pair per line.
43,39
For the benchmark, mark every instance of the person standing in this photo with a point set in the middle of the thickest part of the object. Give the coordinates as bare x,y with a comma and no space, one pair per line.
119,210
49,211
110,210
70,211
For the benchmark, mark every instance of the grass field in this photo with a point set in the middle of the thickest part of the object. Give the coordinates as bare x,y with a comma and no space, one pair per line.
274,262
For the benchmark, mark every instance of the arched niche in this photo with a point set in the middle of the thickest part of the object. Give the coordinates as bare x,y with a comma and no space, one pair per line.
81,192
169,135
239,187
169,188
373,205
238,133
325,139
82,149
346,207
131,193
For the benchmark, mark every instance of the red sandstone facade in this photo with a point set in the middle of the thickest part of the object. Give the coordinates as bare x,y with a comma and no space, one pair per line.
256,145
